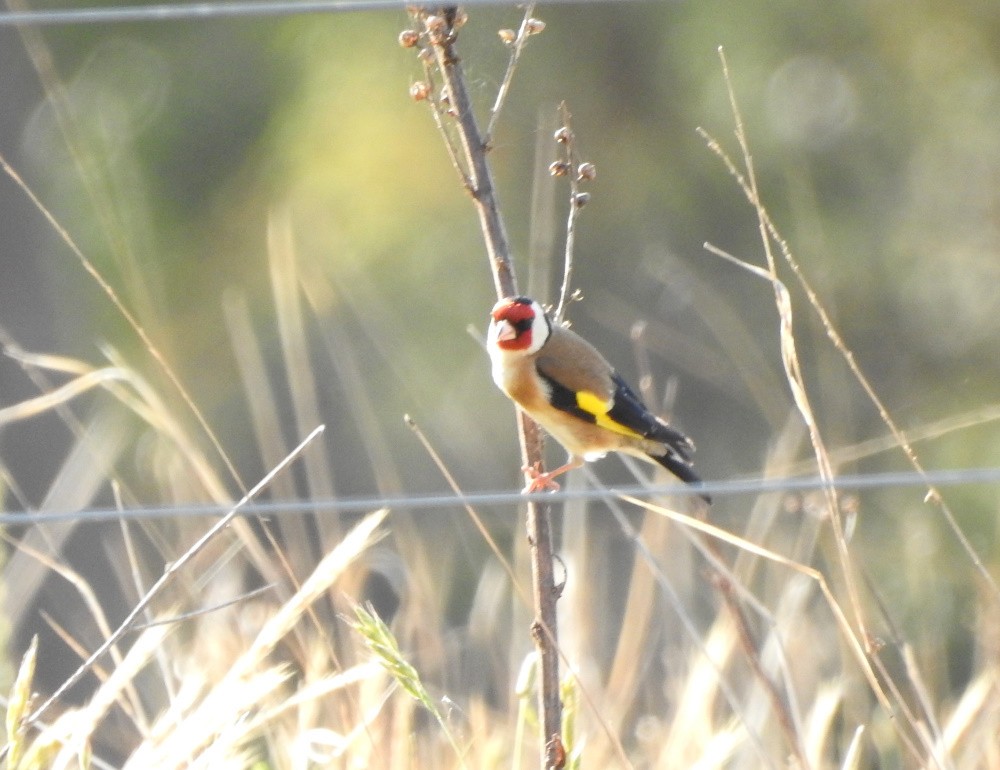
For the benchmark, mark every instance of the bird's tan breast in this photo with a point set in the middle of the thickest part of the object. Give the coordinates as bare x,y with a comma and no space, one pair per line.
520,381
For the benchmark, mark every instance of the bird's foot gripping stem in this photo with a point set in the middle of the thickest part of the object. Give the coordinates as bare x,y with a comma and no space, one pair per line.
541,481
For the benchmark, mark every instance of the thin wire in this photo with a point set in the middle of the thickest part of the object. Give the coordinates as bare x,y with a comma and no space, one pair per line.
198,11
716,488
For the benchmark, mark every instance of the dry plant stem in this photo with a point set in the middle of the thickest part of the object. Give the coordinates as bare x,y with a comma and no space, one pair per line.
168,573
850,637
479,181
789,357
508,77
574,211
450,479
481,188
778,706
904,443
515,583
129,317
201,611
723,580
726,584
440,115
933,494
798,388
903,701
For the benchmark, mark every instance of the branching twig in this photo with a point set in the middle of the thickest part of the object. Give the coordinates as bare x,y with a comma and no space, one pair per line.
426,90
770,235
901,439
904,442
789,355
570,166
438,29
529,26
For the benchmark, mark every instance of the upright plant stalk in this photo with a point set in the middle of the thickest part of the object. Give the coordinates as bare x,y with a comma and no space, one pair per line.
440,28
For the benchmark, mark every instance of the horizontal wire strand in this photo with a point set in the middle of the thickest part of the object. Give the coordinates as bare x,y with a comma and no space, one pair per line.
354,505
265,8
197,11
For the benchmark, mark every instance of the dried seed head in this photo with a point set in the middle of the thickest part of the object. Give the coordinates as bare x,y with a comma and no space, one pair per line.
419,91
559,168
587,172
435,23
460,18
563,135
408,38
533,26
581,199
426,54
508,36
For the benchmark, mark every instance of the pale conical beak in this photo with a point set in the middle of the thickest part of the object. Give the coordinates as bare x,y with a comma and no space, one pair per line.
500,331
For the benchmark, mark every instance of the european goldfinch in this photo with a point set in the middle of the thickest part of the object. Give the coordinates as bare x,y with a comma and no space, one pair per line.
562,382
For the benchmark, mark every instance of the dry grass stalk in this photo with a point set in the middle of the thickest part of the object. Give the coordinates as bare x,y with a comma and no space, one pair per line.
168,574
250,681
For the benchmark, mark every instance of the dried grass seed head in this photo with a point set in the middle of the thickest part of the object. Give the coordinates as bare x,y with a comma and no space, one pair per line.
508,36
419,91
587,172
559,168
563,135
409,38
435,23
438,31
533,26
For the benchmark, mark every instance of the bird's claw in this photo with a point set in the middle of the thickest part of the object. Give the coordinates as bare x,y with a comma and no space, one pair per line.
540,480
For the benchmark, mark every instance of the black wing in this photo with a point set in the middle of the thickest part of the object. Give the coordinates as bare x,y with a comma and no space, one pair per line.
628,410
564,398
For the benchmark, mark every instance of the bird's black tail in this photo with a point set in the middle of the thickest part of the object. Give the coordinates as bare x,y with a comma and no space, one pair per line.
682,470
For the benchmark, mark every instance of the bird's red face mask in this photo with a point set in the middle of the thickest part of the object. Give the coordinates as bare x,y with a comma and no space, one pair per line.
512,324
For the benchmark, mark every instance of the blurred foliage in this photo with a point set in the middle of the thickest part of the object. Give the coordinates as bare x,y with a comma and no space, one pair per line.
167,147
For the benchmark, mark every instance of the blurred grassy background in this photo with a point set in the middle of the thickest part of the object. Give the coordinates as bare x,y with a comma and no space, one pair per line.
166,149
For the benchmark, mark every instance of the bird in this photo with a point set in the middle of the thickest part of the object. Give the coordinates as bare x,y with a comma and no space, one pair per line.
565,385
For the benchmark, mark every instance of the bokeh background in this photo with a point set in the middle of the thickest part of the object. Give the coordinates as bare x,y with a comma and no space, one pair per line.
193,162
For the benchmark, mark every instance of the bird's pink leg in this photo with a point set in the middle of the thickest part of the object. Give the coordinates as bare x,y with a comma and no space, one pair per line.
541,481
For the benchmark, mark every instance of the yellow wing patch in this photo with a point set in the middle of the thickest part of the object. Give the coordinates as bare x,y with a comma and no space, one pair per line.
593,404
